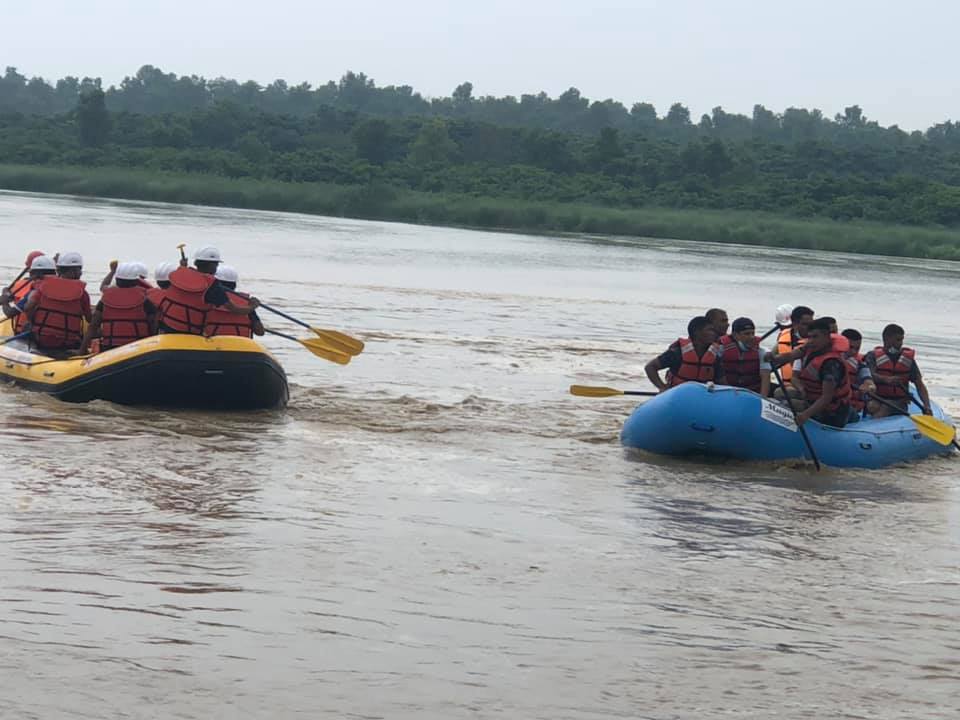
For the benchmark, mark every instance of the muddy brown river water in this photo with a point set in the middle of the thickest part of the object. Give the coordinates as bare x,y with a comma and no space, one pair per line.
439,530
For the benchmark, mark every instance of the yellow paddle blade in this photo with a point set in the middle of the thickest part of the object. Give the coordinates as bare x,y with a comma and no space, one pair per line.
596,392
936,430
320,349
341,342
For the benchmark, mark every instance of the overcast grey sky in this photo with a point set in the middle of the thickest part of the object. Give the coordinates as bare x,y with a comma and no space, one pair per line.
897,60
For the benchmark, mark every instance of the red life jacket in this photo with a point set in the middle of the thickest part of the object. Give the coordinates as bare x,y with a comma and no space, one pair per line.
58,318
124,318
813,387
853,363
156,295
183,309
742,369
694,368
901,368
224,322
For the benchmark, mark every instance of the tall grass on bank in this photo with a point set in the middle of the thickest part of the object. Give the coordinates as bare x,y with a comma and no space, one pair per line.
379,202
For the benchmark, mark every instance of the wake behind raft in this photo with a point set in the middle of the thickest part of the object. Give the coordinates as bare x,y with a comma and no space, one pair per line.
728,422
184,371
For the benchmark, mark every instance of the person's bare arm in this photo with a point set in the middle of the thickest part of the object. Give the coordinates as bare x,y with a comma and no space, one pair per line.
829,388
652,369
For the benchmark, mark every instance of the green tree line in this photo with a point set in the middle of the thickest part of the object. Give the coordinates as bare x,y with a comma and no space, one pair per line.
913,183
153,92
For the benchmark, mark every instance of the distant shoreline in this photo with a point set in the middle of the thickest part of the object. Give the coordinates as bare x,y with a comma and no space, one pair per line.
381,202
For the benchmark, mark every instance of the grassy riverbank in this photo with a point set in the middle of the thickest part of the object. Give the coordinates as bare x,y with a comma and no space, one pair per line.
381,202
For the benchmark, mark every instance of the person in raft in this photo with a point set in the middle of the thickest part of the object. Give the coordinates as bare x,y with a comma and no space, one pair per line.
695,358
195,292
790,339
57,308
124,314
823,378
719,319
13,302
162,276
223,322
894,367
861,379
745,363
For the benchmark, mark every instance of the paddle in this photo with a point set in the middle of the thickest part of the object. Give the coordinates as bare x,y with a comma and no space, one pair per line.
770,332
803,430
337,341
598,392
22,335
317,347
16,280
937,430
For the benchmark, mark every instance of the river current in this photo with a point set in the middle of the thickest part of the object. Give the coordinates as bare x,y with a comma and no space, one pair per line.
439,530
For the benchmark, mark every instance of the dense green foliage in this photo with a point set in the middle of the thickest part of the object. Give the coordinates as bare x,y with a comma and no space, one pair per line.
377,201
555,157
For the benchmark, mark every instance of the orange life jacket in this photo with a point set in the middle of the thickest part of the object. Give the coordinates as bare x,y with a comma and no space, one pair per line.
58,318
156,295
124,318
22,289
693,368
224,322
853,363
742,369
813,386
183,309
786,344
901,368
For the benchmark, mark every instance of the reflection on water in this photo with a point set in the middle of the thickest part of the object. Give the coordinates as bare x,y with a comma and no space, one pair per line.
439,530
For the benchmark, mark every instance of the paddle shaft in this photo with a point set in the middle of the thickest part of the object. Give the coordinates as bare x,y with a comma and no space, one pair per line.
292,319
17,279
22,335
770,332
803,430
283,335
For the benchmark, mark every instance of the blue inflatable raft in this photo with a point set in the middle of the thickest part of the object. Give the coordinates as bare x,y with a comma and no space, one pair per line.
694,419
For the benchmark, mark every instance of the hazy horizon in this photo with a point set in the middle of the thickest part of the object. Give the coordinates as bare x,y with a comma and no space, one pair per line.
829,56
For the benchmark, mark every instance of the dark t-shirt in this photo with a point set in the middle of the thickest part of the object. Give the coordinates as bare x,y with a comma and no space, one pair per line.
216,295
672,359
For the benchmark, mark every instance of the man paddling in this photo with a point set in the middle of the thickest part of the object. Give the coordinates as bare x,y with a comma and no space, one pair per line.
823,379
744,361
791,338
695,358
12,303
861,379
194,292
894,367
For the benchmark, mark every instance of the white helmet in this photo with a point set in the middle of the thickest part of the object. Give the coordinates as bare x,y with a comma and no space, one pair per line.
42,262
70,259
142,271
162,273
783,314
208,254
227,274
128,271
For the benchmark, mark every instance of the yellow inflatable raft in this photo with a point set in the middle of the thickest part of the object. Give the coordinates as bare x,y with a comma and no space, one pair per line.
164,371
